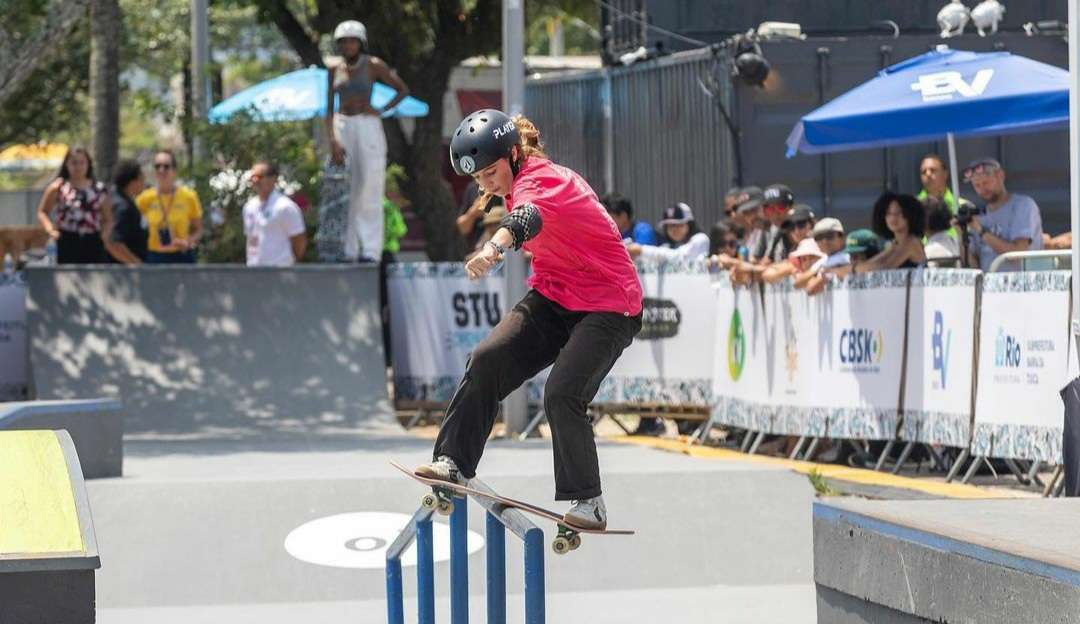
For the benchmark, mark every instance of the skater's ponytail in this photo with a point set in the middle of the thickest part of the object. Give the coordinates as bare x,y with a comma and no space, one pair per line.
530,138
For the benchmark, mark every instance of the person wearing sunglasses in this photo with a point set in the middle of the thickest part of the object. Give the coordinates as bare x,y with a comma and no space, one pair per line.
173,215
836,261
1012,221
723,245
776,203
795,229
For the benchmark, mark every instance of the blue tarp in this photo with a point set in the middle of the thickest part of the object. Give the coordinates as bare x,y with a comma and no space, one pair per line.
940,92
301,95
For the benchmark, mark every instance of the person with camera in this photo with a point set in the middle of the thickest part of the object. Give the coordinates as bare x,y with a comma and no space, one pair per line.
1010,222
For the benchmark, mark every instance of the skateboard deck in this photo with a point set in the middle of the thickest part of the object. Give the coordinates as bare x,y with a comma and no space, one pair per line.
567,539
333,213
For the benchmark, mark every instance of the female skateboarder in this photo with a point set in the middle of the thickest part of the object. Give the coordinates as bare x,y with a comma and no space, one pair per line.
583,309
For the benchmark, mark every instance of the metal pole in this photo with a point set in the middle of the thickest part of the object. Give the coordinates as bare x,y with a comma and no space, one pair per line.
459,562
395,607
425,572
200,61
534,577
1074,164
952,166
496,570
515,407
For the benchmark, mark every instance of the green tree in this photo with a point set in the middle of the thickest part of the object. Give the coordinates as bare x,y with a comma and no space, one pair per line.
29,30
423,40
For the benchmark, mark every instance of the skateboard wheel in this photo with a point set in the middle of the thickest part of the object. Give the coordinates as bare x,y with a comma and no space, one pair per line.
575,542
561,545
446,507
430,501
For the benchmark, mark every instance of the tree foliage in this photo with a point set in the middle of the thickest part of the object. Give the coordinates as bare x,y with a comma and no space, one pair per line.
29,33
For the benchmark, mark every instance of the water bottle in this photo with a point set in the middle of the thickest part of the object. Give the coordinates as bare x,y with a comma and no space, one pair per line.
50,252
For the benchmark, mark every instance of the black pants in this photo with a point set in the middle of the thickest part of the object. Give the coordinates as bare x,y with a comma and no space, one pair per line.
72,248
536,333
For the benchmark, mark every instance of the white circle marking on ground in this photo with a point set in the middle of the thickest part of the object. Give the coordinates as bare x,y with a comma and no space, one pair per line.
360,540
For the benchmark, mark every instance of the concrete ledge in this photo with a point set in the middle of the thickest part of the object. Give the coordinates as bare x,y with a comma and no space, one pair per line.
96,427
48,551
947,561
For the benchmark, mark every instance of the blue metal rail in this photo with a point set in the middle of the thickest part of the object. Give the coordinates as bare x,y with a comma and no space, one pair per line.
498,519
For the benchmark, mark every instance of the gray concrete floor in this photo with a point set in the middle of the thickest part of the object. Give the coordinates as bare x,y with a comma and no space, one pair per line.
194,533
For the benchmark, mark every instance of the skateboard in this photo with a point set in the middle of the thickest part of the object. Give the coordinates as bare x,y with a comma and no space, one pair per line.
441,499
333,213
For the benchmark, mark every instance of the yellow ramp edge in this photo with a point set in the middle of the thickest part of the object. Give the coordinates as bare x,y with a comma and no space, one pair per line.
37,504
831,471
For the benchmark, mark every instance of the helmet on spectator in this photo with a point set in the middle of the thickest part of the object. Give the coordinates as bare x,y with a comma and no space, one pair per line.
351,29
481,139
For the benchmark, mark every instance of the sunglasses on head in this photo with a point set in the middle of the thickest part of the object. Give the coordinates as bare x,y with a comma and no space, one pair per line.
979,170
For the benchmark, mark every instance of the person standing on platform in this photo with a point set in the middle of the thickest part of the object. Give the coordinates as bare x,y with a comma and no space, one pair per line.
357,138
273,224
127,240
83,211
173,215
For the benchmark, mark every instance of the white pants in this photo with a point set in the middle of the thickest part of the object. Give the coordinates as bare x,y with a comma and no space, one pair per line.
365,152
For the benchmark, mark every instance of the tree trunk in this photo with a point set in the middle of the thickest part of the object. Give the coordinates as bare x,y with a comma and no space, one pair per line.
105,26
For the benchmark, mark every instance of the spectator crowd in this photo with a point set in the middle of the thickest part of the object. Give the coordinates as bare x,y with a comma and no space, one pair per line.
768,236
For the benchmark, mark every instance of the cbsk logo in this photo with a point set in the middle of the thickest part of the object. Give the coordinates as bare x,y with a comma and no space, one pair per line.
939,346
945,85
736,346
861,346
1006,350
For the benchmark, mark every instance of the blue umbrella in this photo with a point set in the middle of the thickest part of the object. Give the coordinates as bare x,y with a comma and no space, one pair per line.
943,93
301,95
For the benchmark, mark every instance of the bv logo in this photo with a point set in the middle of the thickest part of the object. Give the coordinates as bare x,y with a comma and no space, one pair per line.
1006,350
861,346
945,85
736,346
939,346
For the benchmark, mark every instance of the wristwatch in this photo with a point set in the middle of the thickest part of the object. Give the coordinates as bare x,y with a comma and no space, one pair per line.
499,248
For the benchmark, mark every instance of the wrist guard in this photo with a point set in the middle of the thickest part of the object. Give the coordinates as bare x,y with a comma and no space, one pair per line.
524,223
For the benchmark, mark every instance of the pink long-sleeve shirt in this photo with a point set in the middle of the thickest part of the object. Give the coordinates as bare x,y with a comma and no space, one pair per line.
579,260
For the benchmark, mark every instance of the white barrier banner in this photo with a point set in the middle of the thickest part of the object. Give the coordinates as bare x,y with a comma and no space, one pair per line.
437,316
739,356
671,360
1023,363
859,355
941,341
14,355
825,365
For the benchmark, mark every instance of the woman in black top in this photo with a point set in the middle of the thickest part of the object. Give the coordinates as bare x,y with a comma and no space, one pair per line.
127,241
83,211
900,220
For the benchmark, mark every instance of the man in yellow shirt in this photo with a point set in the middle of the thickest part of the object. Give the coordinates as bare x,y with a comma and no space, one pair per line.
172,213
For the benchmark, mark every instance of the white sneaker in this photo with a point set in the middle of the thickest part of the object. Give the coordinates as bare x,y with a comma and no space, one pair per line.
589,513
443,469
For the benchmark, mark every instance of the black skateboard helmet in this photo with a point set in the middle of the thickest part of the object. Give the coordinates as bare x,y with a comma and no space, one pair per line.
482,138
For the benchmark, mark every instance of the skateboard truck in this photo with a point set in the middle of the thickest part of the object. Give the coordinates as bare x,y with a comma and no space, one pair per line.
440,500
567,540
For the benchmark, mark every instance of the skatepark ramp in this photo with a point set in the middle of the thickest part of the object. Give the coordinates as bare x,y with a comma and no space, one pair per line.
205,348
48,550
497,520
988,561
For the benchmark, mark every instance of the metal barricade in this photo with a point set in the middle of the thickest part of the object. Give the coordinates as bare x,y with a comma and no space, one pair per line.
498,519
